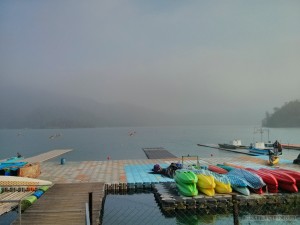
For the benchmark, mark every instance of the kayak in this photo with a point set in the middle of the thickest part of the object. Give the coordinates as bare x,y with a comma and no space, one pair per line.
285,181
207,191
242,190
188,190
237,181
228,168
269,179
222,184
186,182
288,187
281,177
292,173
255,181
206,181
217,169
185,176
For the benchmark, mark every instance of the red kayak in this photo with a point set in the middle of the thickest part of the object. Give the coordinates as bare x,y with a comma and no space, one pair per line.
217,169
288,187
268,178
281,177
292,173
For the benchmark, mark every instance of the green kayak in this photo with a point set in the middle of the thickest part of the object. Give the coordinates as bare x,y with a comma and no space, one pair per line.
188,190
185,177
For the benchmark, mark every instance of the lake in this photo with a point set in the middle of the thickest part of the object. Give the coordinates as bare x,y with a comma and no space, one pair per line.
127,142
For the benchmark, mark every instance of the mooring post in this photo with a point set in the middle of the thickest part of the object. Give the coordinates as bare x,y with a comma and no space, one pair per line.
235,210
91,207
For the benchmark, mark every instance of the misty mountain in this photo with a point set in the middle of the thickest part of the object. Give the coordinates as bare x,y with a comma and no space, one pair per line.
21,108
38,109
287,115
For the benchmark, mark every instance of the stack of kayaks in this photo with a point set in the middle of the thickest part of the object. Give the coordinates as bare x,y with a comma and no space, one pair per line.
206,184
294,174
285,181
221,181
186,181
255,182
269,179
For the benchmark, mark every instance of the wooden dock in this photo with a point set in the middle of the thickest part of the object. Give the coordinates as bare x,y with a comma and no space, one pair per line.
158,153
65,204
46,156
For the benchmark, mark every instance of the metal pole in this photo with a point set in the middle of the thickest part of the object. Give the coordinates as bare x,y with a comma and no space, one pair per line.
91,207
235,211
20,212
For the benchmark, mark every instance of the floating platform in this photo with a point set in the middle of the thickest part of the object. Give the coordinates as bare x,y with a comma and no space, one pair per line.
158,153
170,199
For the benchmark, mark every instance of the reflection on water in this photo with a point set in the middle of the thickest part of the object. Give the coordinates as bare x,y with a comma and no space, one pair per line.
141,208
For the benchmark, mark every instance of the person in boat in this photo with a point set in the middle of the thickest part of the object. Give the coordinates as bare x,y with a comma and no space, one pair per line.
19,155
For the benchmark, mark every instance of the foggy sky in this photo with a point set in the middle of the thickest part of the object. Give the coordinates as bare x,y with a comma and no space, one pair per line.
172,56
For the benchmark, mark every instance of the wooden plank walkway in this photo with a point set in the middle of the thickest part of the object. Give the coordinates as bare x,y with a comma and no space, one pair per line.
64,204
9,200
46,156
158,153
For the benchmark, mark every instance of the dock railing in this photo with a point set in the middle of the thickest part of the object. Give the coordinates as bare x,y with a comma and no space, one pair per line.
18,206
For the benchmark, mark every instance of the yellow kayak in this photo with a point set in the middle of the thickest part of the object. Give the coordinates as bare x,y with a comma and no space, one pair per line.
205,181
222,188
207,191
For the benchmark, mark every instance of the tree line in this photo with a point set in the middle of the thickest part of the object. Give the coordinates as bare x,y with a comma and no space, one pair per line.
286,116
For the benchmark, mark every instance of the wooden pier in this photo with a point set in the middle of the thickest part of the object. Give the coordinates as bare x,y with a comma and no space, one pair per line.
65,204
46,156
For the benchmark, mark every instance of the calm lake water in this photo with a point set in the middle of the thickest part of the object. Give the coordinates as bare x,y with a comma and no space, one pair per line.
127,142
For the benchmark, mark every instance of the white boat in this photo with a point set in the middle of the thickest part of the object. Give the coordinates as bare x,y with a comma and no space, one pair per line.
11,181
261,148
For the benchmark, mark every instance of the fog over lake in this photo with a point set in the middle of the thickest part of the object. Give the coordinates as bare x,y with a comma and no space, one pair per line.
191,61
